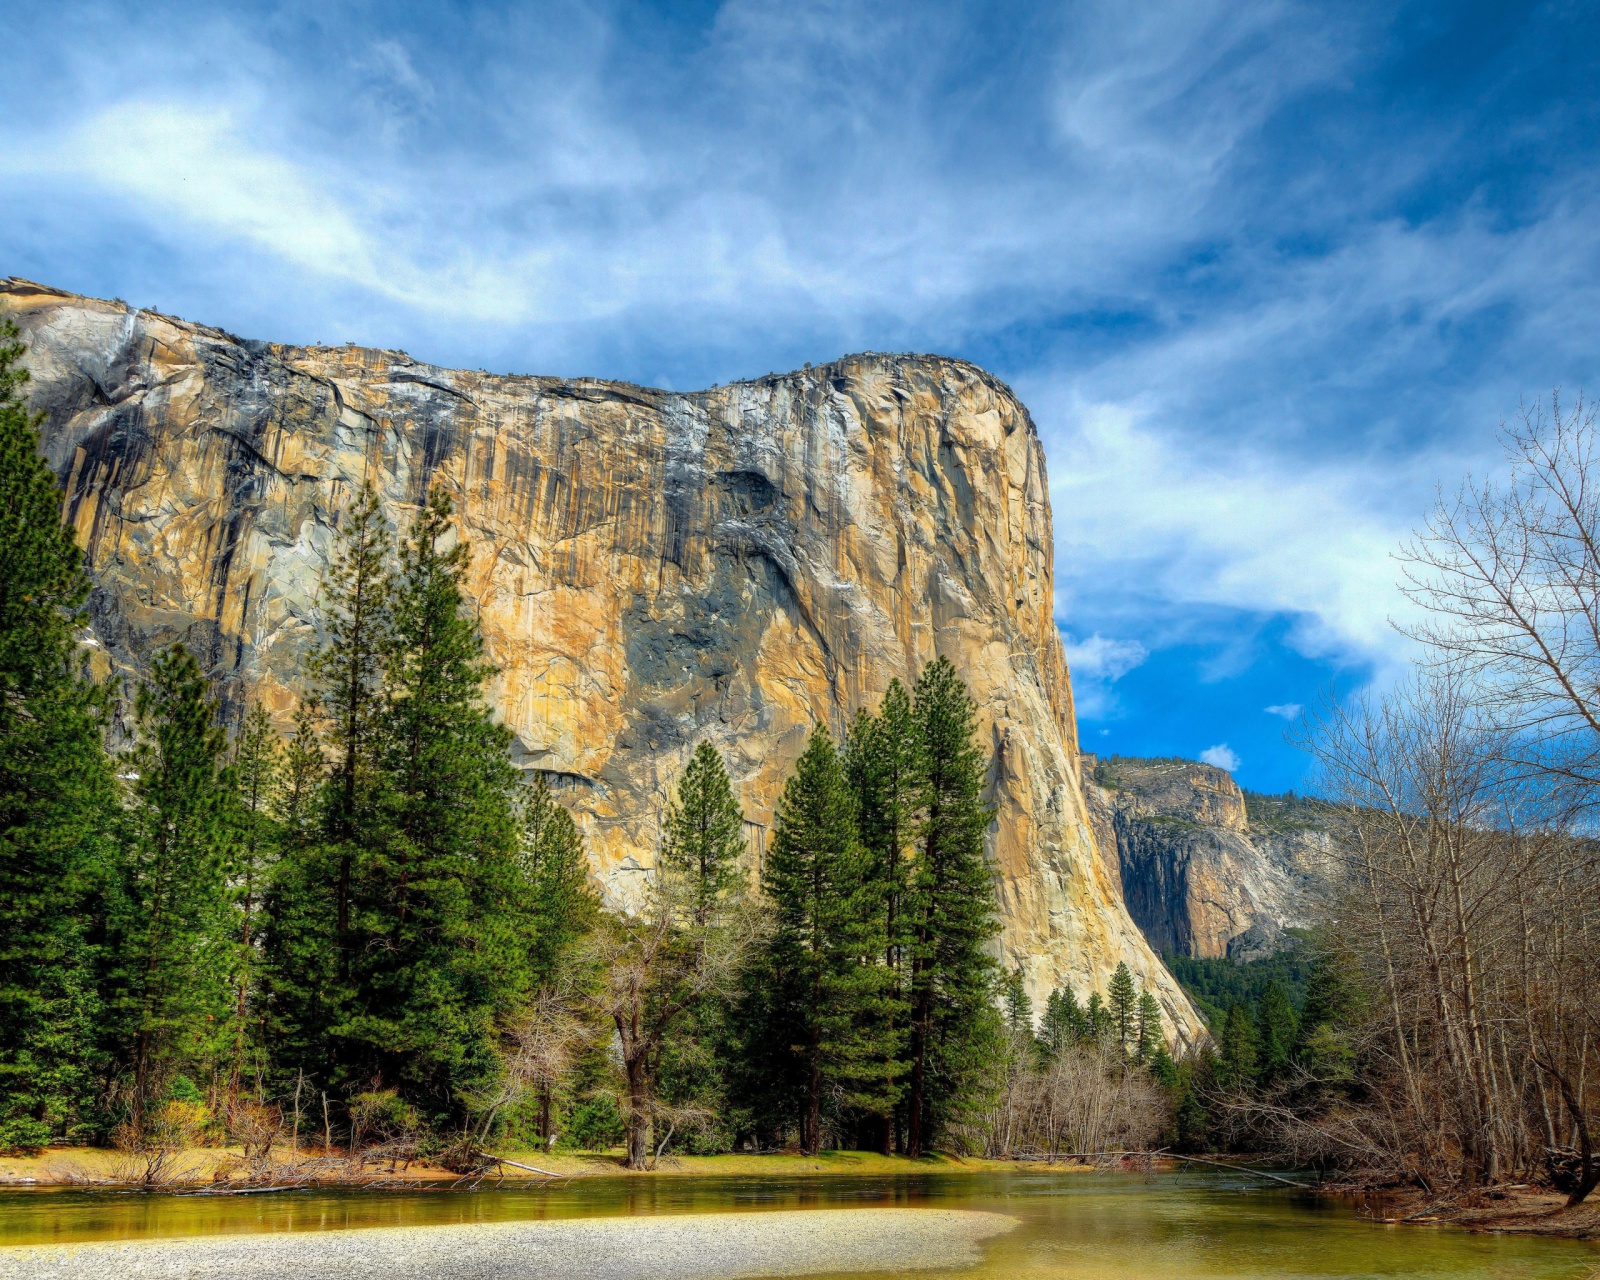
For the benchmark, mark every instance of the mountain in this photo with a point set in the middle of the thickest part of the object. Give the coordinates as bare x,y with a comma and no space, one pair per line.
651,569
1208,870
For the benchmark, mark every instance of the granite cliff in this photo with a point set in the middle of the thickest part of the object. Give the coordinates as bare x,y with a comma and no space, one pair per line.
1205,869
651,569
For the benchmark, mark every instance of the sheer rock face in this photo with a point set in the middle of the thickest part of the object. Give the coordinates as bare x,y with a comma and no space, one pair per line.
651,569
1200,873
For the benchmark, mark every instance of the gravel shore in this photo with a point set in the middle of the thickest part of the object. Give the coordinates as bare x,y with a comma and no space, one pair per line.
704,1246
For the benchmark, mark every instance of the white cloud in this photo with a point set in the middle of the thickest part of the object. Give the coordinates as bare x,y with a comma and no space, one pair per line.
1096,664
1259,436
1101,657
1285,710
1221,756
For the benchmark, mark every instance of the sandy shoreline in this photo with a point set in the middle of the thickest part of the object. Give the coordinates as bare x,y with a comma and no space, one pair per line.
709,1245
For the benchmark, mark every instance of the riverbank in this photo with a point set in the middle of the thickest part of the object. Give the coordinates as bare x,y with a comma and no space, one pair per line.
1501,1210
713,1245
217,1167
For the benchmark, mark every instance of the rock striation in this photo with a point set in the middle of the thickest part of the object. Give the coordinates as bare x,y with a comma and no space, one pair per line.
1205,869
651,569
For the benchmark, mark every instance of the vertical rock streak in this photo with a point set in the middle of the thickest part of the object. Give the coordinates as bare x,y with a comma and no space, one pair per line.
650,568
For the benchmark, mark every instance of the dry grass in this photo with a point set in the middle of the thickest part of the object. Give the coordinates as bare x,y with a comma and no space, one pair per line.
229,1167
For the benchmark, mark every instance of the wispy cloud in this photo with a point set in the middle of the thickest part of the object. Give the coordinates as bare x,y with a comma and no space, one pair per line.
1222,756
1285,710
1263,273
1097,663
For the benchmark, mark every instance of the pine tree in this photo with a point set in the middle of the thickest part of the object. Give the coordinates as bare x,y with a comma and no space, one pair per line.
1098,1023
1277,1028
256,763
563,906
1057,1028
1149,1038
304,769
436,887
56,795
173,931
1124,1006
1019,1009
329,802
1237,1062
951,907
550,881
826,937
883,760
347,671
703,835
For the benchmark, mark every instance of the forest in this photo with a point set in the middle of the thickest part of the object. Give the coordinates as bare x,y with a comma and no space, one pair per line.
379,933
376,932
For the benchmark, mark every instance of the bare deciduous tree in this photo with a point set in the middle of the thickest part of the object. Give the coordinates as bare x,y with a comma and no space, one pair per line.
654,967
1463,909
1508,576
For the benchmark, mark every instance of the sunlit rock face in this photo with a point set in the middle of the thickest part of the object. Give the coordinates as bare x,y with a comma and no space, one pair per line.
650,569
1205,870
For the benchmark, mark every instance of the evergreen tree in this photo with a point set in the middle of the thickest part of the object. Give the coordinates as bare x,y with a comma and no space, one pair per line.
1062,1023
1124,1006
1149,1037
703,835
1324,1044
883,760
702,843
329,801
437,899
347,671
256,761
1098,1023
1276,1028
56,795
1163,1068
951,907
1236,1066
304,769
173,935
1019,1009
563,906
826,938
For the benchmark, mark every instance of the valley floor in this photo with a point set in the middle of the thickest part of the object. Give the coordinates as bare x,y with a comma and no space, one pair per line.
204,1166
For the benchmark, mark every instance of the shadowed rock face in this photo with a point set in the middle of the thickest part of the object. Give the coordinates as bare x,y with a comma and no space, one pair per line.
650,569
1205,870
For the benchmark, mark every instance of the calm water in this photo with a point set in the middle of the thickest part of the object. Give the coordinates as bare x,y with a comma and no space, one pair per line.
1073,1225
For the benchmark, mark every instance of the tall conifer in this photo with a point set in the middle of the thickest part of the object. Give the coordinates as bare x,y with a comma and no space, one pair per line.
173,930
438,856
883,760
703,835
56,794
951,904
257,755
1124,1006
347,672
826,939
1150,1040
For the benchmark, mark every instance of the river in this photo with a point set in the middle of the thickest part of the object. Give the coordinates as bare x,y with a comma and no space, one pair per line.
1072,1226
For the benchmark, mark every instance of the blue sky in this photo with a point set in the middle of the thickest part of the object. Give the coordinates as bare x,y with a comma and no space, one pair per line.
1264,273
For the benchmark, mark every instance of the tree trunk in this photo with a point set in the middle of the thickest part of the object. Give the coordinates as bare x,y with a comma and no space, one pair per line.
811,1128
919,1055
638,1115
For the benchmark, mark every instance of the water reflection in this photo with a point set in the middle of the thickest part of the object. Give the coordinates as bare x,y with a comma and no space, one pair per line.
1074,1226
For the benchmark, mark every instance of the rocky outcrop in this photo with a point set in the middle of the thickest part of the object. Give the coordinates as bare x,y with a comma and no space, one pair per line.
1204,869
650,569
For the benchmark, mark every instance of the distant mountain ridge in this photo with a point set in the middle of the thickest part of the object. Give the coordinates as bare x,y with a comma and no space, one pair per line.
1206,869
